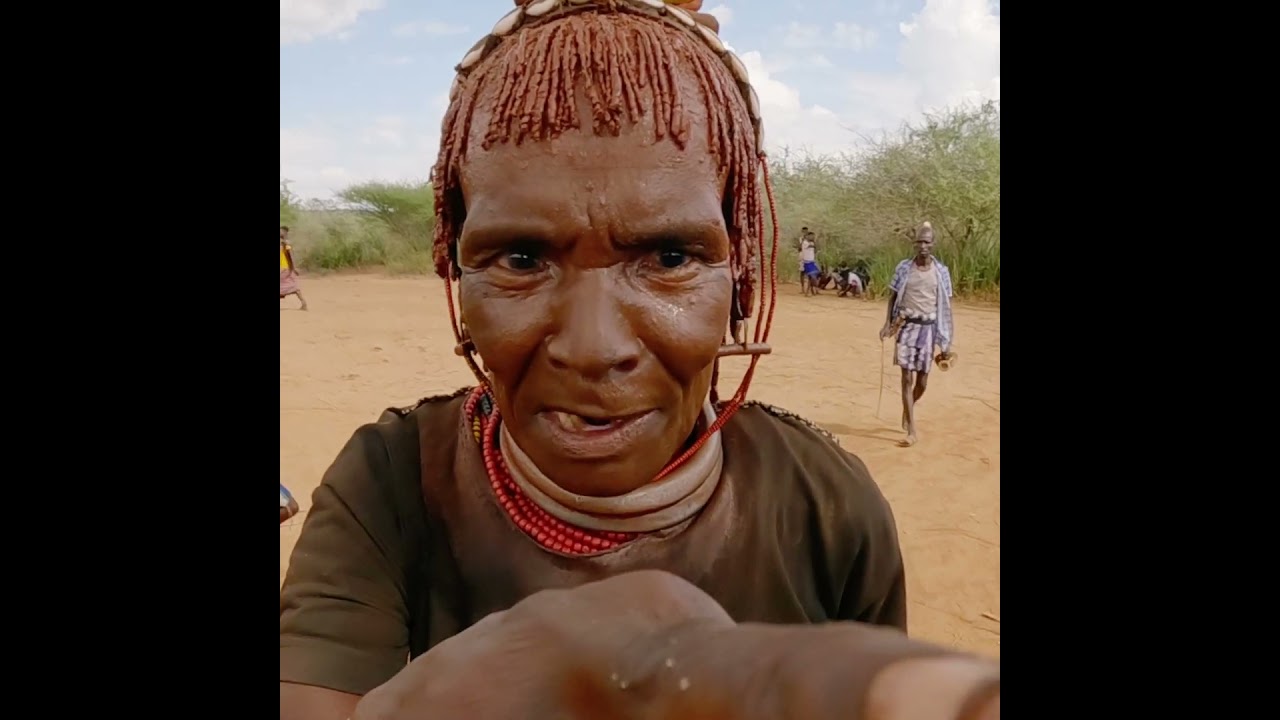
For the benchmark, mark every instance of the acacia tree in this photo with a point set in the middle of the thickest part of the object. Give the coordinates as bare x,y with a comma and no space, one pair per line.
288,204
406,209
865,205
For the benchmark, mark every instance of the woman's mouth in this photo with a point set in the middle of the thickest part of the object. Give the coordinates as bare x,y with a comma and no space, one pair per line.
595,437
574,423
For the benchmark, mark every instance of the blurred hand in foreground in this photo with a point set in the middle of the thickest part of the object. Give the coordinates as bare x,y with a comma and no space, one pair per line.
648,646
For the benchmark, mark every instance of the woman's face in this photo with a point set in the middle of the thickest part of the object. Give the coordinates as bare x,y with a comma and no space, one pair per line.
596,288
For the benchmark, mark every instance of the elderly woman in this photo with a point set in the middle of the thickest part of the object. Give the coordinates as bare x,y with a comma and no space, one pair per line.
599,207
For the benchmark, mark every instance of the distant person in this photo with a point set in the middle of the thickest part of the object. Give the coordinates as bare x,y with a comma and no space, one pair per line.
804,232
808,262
920,313
288,270
852,283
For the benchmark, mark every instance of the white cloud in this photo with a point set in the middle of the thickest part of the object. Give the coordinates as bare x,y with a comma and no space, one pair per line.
883,8
788,122
946,52
320,160
951,51
429,28
386,130
302,21
853,36
801,35
722,13
847,35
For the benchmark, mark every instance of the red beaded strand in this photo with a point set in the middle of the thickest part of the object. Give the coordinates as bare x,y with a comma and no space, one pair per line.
547,530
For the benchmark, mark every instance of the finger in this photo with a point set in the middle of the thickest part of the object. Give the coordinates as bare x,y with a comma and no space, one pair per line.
946,688
838,670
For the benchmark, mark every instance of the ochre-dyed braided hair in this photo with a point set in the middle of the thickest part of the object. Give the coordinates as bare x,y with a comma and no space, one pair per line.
626,56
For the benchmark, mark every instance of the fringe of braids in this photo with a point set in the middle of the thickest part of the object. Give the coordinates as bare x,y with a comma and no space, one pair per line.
627,63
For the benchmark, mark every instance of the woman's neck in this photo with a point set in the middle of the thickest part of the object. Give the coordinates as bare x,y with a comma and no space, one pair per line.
655,506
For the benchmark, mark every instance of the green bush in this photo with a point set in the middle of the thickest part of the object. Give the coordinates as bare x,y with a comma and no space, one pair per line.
865,206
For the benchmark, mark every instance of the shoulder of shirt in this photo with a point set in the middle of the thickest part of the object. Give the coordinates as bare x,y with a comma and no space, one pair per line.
425,405
833,477
401,424
391,445
902,264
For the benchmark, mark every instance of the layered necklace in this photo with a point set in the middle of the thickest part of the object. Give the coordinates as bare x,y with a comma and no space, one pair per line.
577,525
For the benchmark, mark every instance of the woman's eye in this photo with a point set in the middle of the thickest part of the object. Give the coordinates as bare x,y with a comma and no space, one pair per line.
672,259
520,261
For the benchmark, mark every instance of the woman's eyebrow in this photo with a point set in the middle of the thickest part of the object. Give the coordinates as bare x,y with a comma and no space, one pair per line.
505,233
684,234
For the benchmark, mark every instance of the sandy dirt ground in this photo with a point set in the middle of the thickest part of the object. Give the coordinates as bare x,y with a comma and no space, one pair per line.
370,342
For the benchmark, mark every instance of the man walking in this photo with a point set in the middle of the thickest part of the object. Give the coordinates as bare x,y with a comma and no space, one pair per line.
920,313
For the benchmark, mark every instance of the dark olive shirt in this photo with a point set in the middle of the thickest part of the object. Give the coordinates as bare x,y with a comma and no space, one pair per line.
405,544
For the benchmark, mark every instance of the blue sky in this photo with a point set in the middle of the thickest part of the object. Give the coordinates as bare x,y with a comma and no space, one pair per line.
363,83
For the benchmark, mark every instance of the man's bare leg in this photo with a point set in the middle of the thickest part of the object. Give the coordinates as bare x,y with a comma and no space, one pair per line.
917,392
908,407
922,379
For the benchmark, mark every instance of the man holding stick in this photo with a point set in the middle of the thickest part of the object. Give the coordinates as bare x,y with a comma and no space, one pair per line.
920,315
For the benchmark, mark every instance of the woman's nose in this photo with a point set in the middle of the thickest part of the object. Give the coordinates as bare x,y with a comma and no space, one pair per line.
592,335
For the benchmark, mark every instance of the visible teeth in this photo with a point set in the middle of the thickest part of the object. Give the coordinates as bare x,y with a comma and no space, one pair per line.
577,423
571,422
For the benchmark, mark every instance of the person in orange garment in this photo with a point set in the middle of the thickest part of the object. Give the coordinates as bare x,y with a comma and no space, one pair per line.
288,270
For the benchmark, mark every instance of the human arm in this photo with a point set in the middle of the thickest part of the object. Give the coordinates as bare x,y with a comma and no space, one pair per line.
895,287
875,591
860,541
344,625
648,645
949,338
888,314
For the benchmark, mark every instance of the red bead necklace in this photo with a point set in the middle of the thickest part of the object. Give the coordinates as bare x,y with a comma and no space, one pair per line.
547,530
